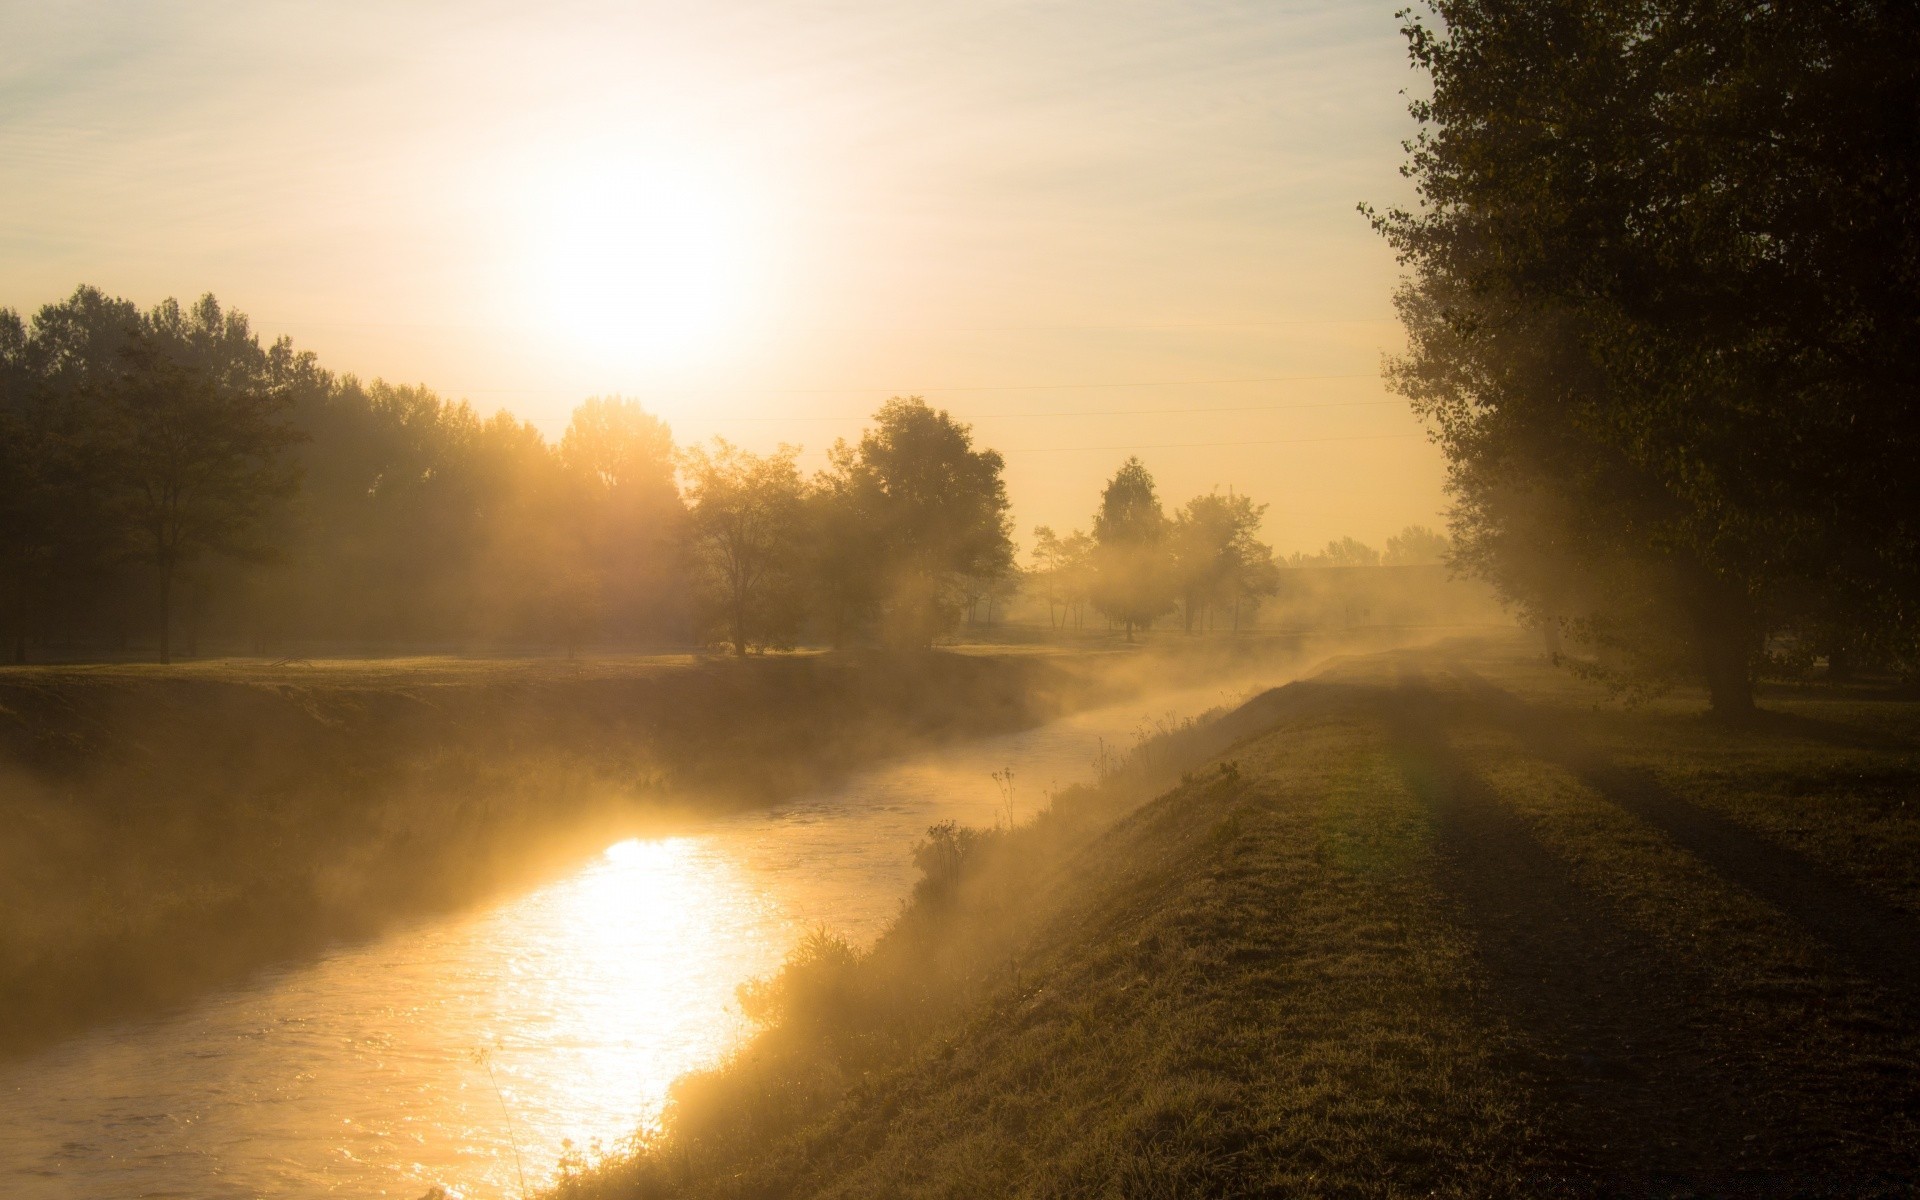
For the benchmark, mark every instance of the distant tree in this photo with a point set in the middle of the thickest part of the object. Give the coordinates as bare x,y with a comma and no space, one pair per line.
625,513
1062,570
931,509
745,526
1416,545
1347,552
1132,577
194,441
1216,559
1661,316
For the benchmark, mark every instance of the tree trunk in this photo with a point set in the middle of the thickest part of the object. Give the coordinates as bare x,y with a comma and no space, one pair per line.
1839,663
166,613
1725,630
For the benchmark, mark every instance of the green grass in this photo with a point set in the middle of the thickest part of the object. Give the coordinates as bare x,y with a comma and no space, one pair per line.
1431,924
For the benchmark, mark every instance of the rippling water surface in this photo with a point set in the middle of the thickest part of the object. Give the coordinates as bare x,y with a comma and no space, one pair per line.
467,1051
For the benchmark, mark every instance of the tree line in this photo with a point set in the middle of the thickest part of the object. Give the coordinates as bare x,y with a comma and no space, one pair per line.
1663,307
166,478
1203,563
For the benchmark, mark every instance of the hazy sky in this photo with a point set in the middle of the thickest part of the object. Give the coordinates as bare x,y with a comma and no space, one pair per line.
1091,228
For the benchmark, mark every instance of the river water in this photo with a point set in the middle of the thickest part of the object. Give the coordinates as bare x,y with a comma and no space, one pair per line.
469,1051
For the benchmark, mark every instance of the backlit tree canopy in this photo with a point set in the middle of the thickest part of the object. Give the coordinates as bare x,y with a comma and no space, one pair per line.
1664,313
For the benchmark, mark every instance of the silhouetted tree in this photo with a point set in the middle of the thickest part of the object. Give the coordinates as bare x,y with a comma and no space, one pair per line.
745,524
931,510
1662,316
1132,577
60,541
1217,560
1063,570
1347,552
194,437
625,514
1416,545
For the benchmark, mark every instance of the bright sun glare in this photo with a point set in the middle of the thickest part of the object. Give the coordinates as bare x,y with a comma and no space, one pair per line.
643,265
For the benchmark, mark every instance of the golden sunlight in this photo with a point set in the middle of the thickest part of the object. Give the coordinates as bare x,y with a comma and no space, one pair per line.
641,263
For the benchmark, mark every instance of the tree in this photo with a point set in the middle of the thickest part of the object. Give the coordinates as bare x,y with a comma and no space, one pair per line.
1217,560
1416,545
1347,552
932,510
1132,579
624,513
745,528
194,439
1063,570
1661,317
59,542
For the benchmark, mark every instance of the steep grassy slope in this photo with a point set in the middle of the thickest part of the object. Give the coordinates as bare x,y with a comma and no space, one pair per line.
1427,925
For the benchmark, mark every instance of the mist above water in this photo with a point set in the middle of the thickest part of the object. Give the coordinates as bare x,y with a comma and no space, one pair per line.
465,1051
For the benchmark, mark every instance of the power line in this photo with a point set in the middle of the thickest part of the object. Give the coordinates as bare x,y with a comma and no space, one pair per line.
1115,412
995,387
1363,437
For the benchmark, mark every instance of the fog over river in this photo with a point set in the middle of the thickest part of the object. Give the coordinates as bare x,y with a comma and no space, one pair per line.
466,1050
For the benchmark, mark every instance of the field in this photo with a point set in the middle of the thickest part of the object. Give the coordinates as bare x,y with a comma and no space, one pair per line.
1432,923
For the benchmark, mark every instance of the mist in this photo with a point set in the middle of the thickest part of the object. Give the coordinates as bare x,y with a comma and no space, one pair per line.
607,603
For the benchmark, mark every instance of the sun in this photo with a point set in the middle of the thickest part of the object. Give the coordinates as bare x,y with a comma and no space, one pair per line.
643,263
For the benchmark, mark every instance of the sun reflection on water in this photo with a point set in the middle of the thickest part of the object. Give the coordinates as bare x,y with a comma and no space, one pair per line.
621,979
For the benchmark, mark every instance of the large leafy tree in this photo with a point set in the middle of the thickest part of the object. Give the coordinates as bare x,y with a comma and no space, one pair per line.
1664,316
745,525
624,513
929,510
1217,559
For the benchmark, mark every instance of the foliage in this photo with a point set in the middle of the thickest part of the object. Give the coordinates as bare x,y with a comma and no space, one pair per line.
1662,308
1216,560
1347,552
1063,571
1415,546
1131,582
745,522
931,511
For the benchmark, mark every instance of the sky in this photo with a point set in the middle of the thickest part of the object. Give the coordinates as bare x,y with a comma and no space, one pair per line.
1091,228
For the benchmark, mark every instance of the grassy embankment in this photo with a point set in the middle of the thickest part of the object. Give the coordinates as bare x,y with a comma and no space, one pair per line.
1429,924
167,828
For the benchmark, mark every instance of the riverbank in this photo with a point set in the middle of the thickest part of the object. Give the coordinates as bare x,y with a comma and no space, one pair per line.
170,828
1431,923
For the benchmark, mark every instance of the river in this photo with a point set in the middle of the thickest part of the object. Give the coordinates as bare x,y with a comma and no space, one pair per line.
469,1051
